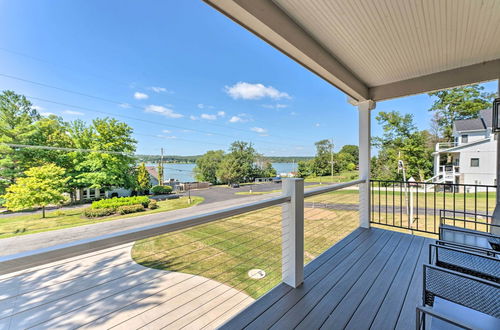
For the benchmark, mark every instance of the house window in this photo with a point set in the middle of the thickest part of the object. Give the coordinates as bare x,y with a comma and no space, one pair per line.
474,162
465,138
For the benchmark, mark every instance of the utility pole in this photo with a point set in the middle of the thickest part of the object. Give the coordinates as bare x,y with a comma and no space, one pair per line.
160,169
331,159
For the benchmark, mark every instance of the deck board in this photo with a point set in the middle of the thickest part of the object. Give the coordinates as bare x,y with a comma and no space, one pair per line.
368,280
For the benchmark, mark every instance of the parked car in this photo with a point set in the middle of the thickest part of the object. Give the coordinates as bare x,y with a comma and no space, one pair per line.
277,179
234,185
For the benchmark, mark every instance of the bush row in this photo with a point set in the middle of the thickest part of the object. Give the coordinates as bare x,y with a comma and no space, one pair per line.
116,202
96,213
161,190
126,209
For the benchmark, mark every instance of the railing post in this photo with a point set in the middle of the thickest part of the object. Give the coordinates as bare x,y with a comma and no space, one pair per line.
364,109
292,261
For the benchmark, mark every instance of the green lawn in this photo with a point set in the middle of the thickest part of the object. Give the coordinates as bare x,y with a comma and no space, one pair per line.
226,250
33,223
341,177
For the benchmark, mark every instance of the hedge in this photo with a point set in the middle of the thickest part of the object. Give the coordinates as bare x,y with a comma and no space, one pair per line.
126,209
153,204
116,202
96,213
161,190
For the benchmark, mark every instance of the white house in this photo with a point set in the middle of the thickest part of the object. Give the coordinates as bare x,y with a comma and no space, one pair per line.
471,157
93,193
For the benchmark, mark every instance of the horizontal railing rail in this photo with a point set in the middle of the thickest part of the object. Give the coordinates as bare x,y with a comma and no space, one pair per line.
26,260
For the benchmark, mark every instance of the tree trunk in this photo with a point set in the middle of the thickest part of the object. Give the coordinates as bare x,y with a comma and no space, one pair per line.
43,212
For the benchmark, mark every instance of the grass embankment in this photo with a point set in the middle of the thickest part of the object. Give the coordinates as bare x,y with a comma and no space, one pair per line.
226,250
33,223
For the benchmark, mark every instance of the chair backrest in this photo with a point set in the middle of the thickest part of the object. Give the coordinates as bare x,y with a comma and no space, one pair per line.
469,291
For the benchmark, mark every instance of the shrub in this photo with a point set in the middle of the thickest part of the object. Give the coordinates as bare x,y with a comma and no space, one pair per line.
161,190
153,204
126,209
116,202
96,213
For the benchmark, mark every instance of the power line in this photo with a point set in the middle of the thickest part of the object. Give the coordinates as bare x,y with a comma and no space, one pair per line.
113,81
30,146
147,121
115,102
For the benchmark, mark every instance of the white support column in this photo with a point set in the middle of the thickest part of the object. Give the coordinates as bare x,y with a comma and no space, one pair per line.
293,233
364,109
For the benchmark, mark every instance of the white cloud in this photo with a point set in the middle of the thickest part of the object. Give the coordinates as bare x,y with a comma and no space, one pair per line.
167,137
275,106
74,113
317,124
247,91
46,114
167,131
221,113
293,113
259,130
208,117
158,89
204,106
38,108
236,119
163,111
193,117
140,96
124,105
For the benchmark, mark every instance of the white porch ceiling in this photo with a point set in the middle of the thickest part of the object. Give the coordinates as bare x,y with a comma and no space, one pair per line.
380,49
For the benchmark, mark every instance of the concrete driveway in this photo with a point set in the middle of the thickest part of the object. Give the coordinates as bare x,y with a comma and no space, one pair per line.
108,289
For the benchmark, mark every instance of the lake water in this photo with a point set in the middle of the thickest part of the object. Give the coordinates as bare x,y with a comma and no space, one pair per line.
184,172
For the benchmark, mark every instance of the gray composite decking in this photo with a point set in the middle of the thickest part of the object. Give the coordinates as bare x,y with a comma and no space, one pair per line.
372,279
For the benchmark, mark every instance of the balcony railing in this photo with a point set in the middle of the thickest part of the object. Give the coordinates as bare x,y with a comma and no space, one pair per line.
417,206
219,262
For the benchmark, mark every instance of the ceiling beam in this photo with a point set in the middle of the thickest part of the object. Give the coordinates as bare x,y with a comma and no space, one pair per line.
466,75
270,23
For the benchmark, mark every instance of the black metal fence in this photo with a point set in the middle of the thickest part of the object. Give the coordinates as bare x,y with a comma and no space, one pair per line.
417,205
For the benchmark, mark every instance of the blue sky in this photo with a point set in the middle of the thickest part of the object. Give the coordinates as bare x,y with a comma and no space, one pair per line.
185,77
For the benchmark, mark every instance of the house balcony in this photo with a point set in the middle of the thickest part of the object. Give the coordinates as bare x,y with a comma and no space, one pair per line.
243,266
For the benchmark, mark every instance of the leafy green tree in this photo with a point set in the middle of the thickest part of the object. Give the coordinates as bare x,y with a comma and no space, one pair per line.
41,186
401,140
160,173
458,103
207,166
112,162
143,182
239,164
321,163
17,117
268,170
304,168
351,150
230,170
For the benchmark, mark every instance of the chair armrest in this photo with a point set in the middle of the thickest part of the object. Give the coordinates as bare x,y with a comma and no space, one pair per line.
423,310
476,249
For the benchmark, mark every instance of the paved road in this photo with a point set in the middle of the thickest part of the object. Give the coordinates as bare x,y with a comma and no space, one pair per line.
40,240
216,198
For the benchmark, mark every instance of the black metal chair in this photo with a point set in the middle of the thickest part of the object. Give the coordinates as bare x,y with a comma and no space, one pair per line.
457,299
475,263
473,239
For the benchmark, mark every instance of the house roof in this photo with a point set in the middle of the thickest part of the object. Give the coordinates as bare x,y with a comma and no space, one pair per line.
482,123
152,171
378,50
